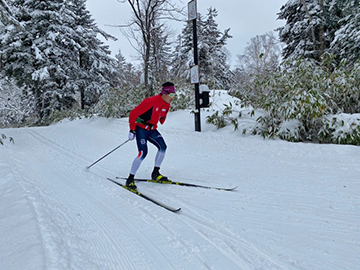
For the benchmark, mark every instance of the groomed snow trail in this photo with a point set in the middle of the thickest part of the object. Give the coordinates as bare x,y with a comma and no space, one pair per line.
297,205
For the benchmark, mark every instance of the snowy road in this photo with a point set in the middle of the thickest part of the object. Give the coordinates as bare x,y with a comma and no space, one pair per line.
297,205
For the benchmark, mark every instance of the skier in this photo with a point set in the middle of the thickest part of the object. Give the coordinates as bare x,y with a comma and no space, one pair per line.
143,126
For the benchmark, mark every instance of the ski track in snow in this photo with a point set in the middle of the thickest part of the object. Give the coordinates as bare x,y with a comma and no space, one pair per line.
63,153
78,220
55,222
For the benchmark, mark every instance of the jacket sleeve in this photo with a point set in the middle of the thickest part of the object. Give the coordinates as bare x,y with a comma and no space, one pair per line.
164,114
137,111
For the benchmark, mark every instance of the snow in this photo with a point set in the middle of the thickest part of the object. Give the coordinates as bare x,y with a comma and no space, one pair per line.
297,205
41,74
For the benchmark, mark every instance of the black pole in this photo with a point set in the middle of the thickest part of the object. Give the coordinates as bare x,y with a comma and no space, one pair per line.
197,88
88,167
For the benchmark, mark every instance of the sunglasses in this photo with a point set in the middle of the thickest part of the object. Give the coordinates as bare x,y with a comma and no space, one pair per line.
172,95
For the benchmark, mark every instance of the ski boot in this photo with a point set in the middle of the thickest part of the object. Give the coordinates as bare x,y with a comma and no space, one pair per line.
158,177
130,183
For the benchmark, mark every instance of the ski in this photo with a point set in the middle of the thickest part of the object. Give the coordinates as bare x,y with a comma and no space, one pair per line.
170,182
169,208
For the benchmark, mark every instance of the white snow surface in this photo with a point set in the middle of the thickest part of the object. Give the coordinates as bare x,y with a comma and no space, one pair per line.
297,205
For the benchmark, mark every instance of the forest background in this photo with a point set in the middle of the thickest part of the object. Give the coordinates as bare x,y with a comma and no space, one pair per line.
299,83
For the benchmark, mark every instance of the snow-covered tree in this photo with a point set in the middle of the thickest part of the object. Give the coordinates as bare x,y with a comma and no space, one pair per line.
16,105
160,57
183,55
314,27
307,31
213,64
213,54
120,65
347,38
126,73
6,14
56,54
94,69
34,56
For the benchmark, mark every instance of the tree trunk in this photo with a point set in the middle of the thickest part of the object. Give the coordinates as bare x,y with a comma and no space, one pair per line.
321,31
147,64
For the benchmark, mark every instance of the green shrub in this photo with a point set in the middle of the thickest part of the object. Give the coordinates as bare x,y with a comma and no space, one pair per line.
341,129
296,100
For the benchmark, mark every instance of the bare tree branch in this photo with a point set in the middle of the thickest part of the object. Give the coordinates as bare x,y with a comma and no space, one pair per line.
147,16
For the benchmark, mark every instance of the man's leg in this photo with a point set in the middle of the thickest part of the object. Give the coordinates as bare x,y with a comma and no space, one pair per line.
156,139
141,140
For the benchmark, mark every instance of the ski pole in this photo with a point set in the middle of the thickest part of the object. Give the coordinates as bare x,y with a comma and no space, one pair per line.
87,167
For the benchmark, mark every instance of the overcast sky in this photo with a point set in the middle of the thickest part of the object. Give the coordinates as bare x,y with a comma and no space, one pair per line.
245,18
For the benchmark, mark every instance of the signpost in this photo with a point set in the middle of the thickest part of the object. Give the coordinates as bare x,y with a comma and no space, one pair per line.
194,74
192,15
192,10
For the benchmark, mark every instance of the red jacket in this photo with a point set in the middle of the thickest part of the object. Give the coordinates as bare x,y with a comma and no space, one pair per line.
148,113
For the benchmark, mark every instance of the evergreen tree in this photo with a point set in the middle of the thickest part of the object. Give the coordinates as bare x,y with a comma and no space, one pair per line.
307,32
94,69
160,57
213,65
314,27
178,66
347,38
213,54
16,106
7,14
120,66
126,73
55,54
183,55
36,56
